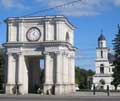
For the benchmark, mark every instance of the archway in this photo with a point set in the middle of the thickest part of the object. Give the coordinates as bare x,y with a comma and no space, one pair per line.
34,73
102,83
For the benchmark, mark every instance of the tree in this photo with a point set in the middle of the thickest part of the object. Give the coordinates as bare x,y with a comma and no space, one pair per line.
77,75
81,77
2,68
116,63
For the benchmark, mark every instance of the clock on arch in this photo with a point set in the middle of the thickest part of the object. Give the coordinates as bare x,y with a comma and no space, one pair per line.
33,34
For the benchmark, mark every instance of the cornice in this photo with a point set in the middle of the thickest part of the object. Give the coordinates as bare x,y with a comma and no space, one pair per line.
39,19
40,44
103,75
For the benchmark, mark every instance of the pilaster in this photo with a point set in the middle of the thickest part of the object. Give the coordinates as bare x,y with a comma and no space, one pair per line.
9,31
20,32
46,24
72,69
59,31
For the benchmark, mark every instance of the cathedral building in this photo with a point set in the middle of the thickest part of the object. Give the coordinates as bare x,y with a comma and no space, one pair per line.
104,69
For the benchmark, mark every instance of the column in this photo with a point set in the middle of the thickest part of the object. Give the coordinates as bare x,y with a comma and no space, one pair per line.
11,65
72,73
47,64
58,85
69,69
51,69
65,67
65,73
22,75
58,68
69,75
48,83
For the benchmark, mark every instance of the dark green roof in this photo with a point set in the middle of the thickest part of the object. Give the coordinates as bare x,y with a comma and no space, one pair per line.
101,37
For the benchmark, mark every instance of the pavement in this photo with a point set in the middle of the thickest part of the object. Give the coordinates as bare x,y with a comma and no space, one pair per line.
78,96
96,94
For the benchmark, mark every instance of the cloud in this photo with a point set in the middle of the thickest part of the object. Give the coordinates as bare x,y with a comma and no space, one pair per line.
7,3
12,4
83,7
117,2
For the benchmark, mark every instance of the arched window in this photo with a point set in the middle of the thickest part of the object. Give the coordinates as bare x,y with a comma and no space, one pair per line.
102,69
67,37
102,82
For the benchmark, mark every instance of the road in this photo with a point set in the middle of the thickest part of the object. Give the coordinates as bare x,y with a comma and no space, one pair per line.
58,98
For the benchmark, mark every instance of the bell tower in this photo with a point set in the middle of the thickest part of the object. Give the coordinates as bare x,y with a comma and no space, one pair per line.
102,56
104,69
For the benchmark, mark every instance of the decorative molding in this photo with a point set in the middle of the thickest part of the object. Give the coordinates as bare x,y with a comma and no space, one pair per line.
40,44
38,19
102,61
103,75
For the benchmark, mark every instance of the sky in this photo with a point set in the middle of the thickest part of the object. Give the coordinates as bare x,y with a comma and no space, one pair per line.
89,17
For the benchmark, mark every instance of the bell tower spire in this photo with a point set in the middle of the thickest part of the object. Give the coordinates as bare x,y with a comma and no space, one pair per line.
101,41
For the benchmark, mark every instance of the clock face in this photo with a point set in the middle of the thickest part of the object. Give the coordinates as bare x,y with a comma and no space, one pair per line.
33,34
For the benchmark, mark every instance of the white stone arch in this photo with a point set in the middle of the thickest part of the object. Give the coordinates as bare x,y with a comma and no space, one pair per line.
56,53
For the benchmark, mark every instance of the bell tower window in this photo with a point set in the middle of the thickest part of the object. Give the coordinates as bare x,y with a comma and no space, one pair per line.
101,44
102,69
101,54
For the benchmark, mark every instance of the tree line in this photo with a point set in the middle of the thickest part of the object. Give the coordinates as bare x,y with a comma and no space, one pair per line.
83,77
2,69
116,63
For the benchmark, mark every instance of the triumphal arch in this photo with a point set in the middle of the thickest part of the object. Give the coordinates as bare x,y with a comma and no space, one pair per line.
30,39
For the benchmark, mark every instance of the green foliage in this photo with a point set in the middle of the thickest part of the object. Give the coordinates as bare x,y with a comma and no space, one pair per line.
82,77
116,63
2,68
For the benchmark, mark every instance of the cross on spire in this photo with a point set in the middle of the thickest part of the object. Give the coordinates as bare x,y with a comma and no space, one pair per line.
101,31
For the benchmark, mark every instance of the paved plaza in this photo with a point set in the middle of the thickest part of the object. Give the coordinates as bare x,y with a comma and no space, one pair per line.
79,96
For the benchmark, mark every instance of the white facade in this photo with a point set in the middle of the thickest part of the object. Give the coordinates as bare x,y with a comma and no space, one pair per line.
31,38
104,68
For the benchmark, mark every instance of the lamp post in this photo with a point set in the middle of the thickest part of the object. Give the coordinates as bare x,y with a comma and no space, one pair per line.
108,90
